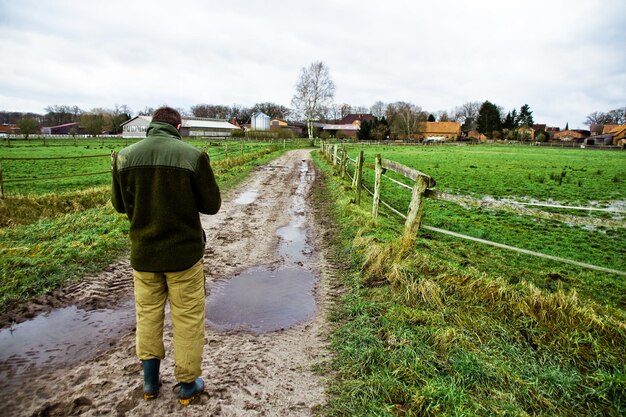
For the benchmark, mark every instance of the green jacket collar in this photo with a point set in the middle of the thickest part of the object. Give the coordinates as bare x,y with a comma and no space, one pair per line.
162,129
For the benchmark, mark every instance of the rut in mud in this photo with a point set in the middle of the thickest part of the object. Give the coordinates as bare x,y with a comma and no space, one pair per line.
264,266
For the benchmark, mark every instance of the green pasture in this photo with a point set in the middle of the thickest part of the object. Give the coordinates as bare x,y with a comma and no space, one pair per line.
568,176
89,162
446,327
598,245
49,239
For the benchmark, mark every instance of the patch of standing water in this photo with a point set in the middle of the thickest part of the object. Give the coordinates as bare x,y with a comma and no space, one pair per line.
247,197
62,337
261,299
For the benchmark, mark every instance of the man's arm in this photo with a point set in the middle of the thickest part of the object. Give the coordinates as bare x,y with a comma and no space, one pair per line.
116,194
205,187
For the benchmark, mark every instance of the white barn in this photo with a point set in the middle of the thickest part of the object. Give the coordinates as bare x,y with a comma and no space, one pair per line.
192,126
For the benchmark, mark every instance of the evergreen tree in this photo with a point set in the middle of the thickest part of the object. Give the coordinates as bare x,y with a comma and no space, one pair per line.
365,130
489,119
566,125
525,116
431,118
510,121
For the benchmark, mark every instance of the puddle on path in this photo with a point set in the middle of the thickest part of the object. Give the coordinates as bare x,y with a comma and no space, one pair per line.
247,197
261,299
60,338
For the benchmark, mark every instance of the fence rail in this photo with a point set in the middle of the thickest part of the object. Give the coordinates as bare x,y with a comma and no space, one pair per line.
420,190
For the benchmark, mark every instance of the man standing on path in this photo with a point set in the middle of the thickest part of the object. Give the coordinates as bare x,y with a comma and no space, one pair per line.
162,184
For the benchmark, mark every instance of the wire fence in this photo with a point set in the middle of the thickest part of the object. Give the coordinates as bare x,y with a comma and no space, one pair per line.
422,188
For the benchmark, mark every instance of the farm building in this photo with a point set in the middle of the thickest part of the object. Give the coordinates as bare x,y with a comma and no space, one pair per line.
438,130
346,130
571,135
8,130
64,129
355,119
260,121
192,126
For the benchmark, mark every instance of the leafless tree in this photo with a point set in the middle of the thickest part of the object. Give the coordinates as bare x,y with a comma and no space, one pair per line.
405,119
378,109
467,114
314,93
442,116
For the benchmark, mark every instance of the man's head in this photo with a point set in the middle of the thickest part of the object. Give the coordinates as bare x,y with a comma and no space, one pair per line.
168,115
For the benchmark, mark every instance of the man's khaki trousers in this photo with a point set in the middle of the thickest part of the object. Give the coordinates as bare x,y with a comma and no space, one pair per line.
185,290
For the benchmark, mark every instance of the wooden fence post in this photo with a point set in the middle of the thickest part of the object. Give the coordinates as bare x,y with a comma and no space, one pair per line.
226,152
416,207
344,161
1,181
358,177
335,149
377,187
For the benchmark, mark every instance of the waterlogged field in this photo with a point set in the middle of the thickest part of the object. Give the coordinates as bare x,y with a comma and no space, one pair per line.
88,162
590,178
445,326
569,176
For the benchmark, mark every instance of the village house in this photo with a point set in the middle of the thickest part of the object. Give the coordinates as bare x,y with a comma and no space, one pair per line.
8,130
571,135
440,131
192,126
347,126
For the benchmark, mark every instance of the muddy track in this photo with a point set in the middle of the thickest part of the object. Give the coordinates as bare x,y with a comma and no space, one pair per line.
246,374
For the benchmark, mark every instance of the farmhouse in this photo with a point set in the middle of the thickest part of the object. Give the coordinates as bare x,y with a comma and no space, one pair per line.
438,130
192,126
8,130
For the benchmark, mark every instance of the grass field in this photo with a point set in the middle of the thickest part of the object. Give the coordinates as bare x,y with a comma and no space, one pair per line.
61,230
68,174
445,327
506,178
572,176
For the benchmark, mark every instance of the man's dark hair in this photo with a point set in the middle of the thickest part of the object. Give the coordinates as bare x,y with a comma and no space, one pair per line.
167,115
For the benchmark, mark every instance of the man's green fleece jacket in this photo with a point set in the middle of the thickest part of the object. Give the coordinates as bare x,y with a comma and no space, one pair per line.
162,184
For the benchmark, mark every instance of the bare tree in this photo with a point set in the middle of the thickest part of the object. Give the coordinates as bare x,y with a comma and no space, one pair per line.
405,118
314,93
617,116
378,109
273,110
467,114
443,116
596,118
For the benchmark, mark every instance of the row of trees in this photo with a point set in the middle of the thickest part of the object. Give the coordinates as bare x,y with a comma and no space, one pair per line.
612,117
313,101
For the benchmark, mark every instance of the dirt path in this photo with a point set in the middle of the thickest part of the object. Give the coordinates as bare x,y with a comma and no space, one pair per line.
267,374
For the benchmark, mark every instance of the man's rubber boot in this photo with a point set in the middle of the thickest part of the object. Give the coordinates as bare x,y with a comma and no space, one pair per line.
190,390
151,380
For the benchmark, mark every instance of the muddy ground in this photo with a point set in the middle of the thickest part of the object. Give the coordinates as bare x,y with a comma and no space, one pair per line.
246,374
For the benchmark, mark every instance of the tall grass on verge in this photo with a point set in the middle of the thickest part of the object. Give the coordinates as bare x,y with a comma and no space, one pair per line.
417,335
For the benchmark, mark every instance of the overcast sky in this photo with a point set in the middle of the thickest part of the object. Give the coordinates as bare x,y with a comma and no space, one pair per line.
565,58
